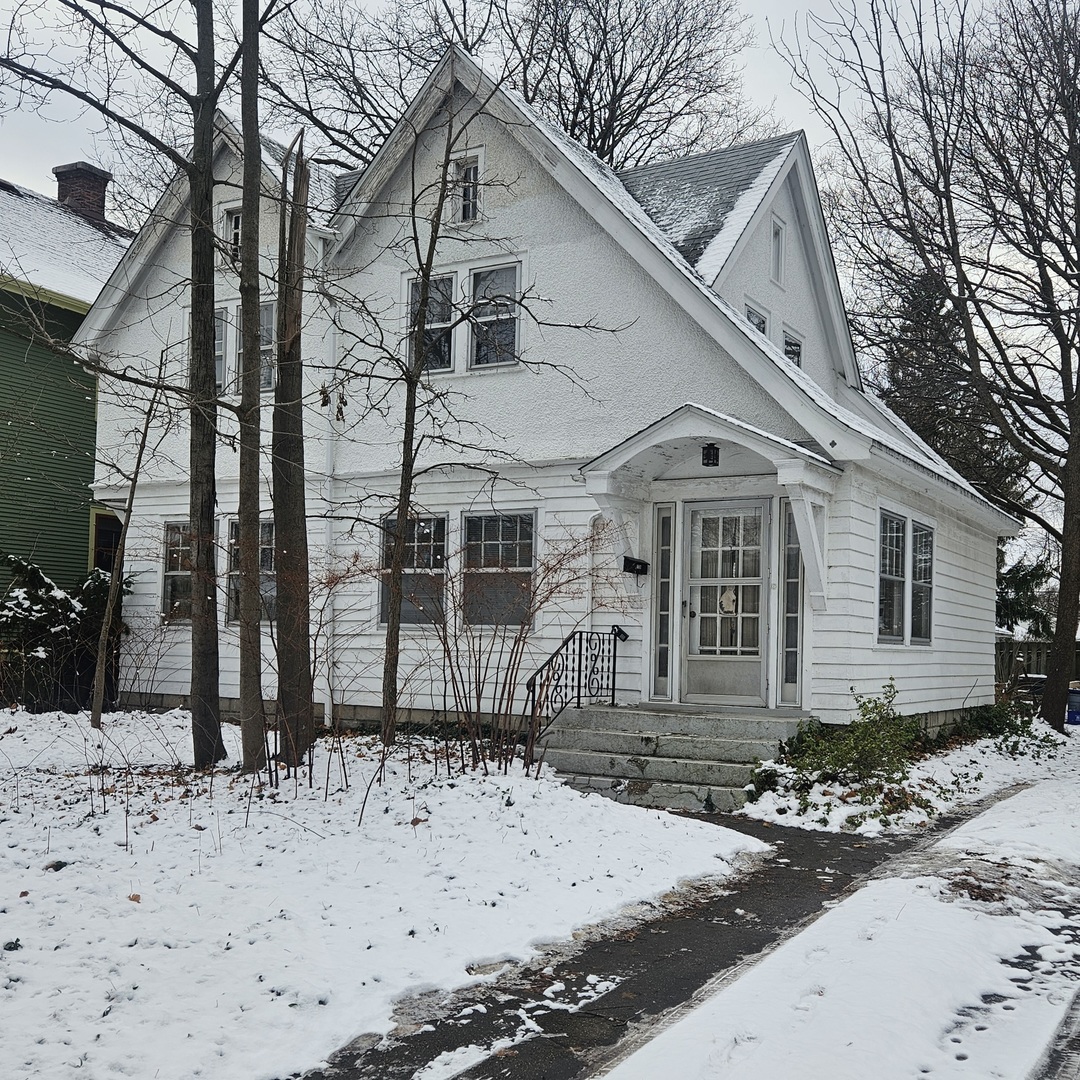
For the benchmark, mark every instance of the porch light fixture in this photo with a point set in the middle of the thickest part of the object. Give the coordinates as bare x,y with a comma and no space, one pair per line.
710,455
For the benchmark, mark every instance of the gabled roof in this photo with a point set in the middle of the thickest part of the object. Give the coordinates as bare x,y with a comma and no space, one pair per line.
692,198
52,252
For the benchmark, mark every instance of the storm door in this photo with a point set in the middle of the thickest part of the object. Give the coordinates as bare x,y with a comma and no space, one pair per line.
725,607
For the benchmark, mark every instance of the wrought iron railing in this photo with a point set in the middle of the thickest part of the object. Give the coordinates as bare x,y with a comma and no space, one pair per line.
581,671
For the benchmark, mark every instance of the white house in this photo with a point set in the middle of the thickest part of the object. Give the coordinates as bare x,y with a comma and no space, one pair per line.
652,366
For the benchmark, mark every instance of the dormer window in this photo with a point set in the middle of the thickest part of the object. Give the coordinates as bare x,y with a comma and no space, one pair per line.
776,252
468,189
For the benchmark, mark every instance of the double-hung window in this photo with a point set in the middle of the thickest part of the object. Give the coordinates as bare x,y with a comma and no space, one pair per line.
234,228
267,575
221,322
498,573
494,316
423,581
176,586
267,344
437,339
905,580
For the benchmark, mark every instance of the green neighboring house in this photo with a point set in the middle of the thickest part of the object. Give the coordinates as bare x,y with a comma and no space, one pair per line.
55,255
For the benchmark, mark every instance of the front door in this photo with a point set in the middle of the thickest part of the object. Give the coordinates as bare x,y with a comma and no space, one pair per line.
724,609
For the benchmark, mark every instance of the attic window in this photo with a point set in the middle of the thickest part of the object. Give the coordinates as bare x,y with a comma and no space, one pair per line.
776,252
468,189
793,349
757,320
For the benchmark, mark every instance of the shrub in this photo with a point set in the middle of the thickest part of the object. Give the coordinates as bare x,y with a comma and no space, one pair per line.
880,745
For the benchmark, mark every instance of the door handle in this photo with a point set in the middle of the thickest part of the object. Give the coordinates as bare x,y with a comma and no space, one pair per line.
693,614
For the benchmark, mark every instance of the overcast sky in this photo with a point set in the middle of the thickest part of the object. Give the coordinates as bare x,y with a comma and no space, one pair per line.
30,145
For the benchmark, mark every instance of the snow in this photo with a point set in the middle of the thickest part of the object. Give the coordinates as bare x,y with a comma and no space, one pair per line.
160,923
963,966
50,247
719,249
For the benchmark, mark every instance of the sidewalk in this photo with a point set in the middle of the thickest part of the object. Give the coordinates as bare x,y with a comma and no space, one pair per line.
949,954
963,961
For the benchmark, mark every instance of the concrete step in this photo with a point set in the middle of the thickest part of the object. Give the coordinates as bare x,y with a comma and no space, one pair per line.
633,767
717,722
660,795
643,744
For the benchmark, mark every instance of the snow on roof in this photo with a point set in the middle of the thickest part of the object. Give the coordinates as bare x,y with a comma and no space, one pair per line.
696,200
49,247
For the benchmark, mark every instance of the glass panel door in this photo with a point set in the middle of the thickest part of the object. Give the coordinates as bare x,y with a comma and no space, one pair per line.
726,617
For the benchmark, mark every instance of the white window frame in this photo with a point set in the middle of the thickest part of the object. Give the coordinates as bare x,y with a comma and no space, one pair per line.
909,587
752,308
267,596
410,610
232,227
796,339
447,327
506,312
462,199
267,350
467,570
777,251
169,612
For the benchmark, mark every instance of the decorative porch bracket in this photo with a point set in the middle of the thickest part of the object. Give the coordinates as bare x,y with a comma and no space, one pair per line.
622,502
809,489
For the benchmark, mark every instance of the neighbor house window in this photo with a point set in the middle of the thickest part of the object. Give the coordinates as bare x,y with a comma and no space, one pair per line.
267,575
468,189
793,349
922,581
776,253
423,581
757,320
438,326
498,574
494,316
176,590
267,344
220,330
234,227
905,589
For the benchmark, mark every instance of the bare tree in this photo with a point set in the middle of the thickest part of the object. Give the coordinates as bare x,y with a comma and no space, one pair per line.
631,80
958,156
140,71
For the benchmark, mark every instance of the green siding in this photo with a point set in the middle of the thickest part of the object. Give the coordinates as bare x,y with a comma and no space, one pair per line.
47,419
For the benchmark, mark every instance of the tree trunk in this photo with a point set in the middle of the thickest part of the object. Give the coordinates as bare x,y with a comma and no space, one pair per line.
296,719
205,700
1062,659
252,726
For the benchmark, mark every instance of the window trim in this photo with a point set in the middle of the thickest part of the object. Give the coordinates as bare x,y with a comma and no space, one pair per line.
232,227
431,572
909,586
468,158
777,251
169,612
268,611
475,321
790,337
751,308
529,513
266,386
448,327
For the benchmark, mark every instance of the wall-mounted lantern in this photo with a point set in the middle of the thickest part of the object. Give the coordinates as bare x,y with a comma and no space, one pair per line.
710,455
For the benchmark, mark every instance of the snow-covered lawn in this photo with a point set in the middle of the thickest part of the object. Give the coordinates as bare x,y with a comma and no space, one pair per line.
157,924
961,968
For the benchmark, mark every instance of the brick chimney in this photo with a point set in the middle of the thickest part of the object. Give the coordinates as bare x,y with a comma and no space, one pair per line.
81,187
